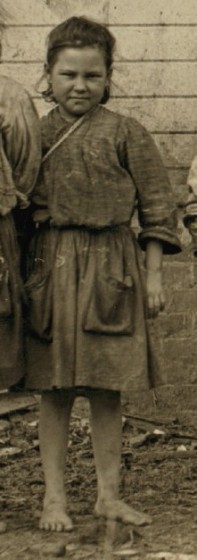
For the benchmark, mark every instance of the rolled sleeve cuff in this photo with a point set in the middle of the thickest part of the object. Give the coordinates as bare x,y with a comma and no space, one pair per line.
190,212
169,240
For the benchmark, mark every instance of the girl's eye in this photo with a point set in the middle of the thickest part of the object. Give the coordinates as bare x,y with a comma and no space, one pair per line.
89,76
69,74
93,76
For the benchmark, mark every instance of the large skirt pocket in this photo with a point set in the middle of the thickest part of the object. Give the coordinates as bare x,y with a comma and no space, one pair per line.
110,308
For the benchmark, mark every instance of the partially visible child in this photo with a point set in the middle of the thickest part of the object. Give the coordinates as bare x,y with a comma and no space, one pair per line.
190,214
20,157
88,330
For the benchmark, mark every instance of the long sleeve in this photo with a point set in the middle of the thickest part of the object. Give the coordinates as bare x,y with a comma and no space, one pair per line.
156,205
20,145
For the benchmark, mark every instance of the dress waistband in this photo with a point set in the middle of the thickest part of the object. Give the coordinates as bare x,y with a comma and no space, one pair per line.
72,227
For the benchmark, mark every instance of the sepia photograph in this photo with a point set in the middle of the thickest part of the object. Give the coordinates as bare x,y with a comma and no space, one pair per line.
98,279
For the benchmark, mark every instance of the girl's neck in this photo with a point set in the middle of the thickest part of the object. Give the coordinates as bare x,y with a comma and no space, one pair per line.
68,118
72,118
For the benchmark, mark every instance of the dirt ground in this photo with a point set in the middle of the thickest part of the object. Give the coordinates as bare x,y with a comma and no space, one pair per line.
158,476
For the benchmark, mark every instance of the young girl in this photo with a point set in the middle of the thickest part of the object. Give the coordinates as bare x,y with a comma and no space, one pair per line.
88,330
20,157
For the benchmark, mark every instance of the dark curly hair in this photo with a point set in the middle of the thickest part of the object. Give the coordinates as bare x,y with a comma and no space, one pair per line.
78,32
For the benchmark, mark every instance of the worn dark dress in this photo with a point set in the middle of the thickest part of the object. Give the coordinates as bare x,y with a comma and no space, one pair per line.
20,155
87,324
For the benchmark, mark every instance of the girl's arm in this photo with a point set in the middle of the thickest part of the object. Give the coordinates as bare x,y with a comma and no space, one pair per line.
154,286
20,146
156,203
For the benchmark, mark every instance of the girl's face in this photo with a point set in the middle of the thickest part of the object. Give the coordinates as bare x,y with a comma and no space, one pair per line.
78,79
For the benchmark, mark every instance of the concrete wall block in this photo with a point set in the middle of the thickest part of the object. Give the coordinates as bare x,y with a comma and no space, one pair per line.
180,360
176,402
177,275
156,12
177,149
155,78
89,8
29,12
182,301
175,324
159,113
24,44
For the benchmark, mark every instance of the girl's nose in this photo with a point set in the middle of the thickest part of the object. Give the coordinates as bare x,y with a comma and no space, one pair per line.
80,84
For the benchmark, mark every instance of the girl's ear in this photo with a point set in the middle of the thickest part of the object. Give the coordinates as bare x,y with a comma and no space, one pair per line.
47,73
109,76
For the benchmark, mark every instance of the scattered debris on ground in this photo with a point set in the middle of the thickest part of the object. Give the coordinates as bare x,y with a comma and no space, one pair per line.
159,476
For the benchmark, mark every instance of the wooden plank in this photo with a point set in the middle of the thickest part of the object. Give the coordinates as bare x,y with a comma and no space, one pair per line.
156,114
23,12
129,79
155,43
152,12
133,43
129,11
118,12
25,43
28,74
89,8
155,78
159,114
14,402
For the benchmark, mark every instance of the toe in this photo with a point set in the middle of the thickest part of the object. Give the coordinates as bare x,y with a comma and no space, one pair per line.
59,528
56,525
44,526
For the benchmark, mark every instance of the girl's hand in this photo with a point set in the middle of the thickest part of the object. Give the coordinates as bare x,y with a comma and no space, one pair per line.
154,292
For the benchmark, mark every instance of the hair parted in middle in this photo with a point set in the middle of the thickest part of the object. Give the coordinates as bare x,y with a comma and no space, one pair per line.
79,32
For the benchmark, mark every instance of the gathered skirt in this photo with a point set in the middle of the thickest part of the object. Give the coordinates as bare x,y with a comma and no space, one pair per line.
86,321
11,298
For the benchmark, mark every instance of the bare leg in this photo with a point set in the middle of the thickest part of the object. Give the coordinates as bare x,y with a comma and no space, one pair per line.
54,424
107,436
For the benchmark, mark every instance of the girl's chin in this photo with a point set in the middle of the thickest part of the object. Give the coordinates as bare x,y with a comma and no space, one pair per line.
76,109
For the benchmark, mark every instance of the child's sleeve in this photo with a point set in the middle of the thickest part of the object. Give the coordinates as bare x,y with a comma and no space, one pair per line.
190,210
156,206
20,146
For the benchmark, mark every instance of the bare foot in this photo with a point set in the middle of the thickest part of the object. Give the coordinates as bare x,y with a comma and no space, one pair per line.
55,518
119,511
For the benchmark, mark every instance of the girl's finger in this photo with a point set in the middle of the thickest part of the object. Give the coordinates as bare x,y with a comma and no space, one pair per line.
157,305
150,305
